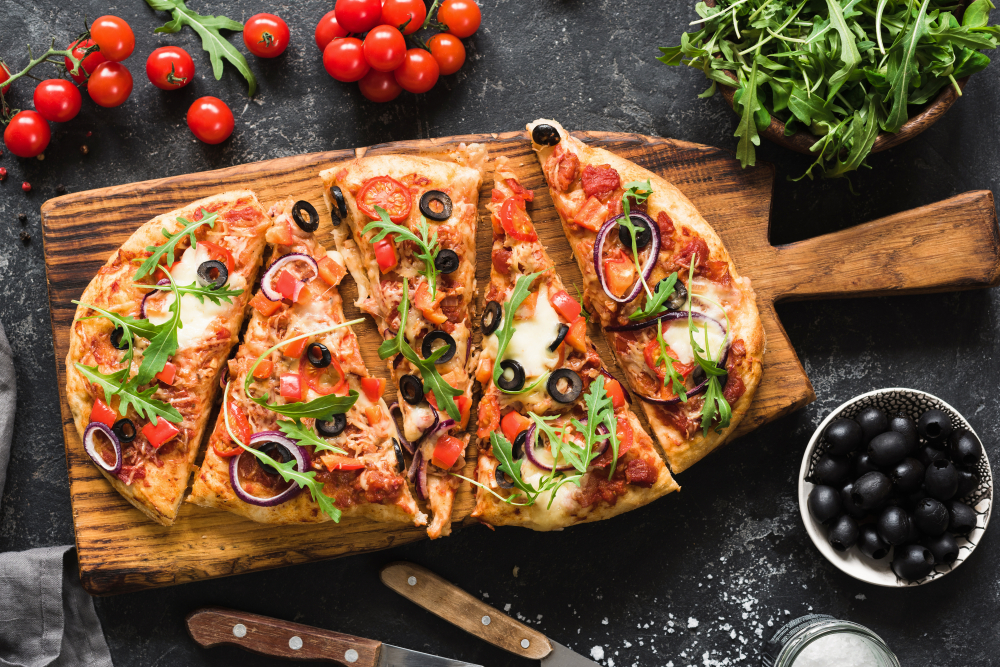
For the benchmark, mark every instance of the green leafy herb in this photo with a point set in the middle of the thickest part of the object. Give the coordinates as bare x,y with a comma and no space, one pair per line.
296,431
129,394
655,305
506,331
168,248
638,191
443,392
130,326
163,344
215,295
715,406
208,28
599,411
579,298
426,243
670,374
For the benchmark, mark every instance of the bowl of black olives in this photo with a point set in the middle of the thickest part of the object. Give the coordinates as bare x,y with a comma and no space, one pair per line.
895,488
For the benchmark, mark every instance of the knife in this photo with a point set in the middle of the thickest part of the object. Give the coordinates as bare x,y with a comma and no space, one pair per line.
454,605
213,626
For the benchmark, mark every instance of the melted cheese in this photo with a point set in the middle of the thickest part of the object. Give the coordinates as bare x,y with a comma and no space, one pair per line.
563,510
195,315
530,343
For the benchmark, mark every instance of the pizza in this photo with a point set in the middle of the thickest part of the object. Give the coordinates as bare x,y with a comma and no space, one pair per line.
559,444
151,332
406,227
300,411
682,322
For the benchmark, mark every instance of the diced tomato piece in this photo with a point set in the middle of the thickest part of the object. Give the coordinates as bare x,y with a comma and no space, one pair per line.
513,423
625,437
446,451
619,272
291,387
330,271
485,370
102,412
515,220
565,305
161,433
265,306
166,376
288,285
239,422
615,392
385,255
159,274
337,462
577,336
527,308
295,349
374,414
263,370
221,254
519,190
430,309
373,388
591,215
497,196
464,404
280,233
599,181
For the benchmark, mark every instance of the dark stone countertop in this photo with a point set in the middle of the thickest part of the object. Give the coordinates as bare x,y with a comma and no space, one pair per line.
693,579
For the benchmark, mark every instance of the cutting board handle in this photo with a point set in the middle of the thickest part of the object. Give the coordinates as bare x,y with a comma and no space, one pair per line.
454,605
950,245
213,626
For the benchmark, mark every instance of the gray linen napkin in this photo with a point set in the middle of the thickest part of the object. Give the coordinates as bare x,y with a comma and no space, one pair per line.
46,618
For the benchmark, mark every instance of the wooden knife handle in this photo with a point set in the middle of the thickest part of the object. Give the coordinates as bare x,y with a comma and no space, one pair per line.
454,605
213,626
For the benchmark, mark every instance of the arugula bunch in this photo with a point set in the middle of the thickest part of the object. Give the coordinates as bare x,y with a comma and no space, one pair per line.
670,375
168,249
426,243
715,407
840,69
443,392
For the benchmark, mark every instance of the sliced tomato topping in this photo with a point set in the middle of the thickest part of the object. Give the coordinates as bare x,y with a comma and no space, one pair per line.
221,254
513,423
291,387
337,462
166,376
387,193
615,393
103,413
515,220
161,433
330,271
317,378
464,404
385,255
565,305
263,370
497,196
519,190
625,436
373,388
265,306
591,215
159,274
446,451
295,348
577,336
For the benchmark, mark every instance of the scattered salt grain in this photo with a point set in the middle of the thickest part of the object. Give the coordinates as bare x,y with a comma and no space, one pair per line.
506,607
597,653
860,596
628,644
516,570
604,621
692,622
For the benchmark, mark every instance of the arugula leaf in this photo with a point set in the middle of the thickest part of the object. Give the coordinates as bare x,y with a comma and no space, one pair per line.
639,191
506,331
426,243
670,373
901,65
747,129
129,394
848,48
600,410
503,451
212,41
163,344
296,431
143,328
167,249
715,405
655,305
200,292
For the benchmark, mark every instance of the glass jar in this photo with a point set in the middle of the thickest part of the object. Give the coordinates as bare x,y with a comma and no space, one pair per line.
819,640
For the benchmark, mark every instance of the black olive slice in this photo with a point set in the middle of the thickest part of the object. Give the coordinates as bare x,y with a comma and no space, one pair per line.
124,429
400,461
435,205
545,135
446,261
427,348
335,426
339,205
560,336
411,389
643,234
310,221
213,274
277,452
492,314
572,379
679,298
503,479
318,355
516,383
517,449
118,339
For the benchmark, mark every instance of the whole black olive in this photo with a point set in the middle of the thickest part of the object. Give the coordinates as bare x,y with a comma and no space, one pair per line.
935,425
277,452
870,490
545,135
334,427
400,461
492,314
908,475
308,222
941,479
574,385
931,517
944,547
843,533
643,235
912,562
318,355
863,464
824,503
968,480
118,340
517,448
907,428
679,298
511,375
435,205
872,421
965,447
961,518
339,205
503,479
870,543
887,449
831,470
427,347
929,454
446,261
411,389
560,336
893,525
124,430
844,436
847,502
210,268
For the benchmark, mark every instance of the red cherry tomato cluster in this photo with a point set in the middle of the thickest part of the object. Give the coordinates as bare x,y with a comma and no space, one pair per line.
381,63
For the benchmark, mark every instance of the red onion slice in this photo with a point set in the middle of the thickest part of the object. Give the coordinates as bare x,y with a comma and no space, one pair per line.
271,274
533,456
647,269
90,435
418,475
302,461
399,432
142,304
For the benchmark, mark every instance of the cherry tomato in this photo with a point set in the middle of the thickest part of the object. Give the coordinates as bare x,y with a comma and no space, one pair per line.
461,16
57,100
27,134
169,68
114,36
410,13
386,192
515,220
328,30
385,48
379,86
210,120
419,71
89,63
266,35
358,15
448,51
344,59
110,84
4,75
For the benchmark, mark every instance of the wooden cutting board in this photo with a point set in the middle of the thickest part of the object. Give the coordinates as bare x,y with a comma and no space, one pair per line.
945,246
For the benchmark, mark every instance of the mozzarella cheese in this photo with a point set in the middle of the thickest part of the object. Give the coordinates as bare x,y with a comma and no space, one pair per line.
195,315
563,509
532,337
678,339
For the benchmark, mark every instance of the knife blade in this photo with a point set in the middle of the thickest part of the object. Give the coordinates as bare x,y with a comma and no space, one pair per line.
213,626
454,605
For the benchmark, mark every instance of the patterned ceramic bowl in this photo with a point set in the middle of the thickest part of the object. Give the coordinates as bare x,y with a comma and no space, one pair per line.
912,403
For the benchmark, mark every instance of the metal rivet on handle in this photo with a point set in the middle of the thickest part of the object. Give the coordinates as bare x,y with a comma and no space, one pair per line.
295,643
240,630
412,581
525,643
351,655
486,620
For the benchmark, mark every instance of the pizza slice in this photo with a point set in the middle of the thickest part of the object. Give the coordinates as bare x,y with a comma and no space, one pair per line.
682,322
151,333
410,243
558,442
300,411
